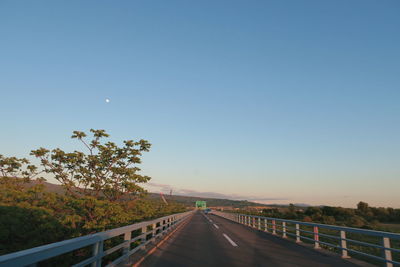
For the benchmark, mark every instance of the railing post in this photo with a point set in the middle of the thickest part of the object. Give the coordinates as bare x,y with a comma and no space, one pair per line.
97,251
144,238
298,237
259,223
127,239
343,244
154,232
387,254
284,229
273,227
254,222
266,224
316,238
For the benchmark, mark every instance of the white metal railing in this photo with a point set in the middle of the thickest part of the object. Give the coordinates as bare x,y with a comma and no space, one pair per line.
149,231
294,229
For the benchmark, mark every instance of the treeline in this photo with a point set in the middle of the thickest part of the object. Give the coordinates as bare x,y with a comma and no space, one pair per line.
363,216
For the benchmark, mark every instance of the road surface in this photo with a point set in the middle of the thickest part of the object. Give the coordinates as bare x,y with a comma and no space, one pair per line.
209,240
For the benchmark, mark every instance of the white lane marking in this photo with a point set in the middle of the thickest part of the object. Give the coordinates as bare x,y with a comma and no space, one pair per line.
230,240
216,226
207,218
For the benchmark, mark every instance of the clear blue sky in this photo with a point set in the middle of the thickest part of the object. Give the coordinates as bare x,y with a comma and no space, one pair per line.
281,101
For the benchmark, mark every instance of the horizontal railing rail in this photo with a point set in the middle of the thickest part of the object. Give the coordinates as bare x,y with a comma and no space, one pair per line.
276,225
152,229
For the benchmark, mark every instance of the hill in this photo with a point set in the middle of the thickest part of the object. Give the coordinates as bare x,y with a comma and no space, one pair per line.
185,200
211,202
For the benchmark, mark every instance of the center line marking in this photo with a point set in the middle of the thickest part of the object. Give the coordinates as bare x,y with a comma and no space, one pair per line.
216,226
230,240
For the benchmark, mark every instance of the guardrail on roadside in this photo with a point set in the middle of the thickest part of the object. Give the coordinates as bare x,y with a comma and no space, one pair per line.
155,228
274,225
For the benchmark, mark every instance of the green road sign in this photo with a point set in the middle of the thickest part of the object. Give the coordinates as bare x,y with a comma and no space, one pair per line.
201,205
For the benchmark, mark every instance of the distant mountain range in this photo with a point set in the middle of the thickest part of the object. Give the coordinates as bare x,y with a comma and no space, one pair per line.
186,200
211,202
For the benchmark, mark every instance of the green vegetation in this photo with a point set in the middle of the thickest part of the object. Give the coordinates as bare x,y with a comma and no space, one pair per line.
99,191
107,171
363,217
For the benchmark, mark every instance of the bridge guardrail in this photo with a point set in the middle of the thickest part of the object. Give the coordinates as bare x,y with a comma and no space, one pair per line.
31,257
276,225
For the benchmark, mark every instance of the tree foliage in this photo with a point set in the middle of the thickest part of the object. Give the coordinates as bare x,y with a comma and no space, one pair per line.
104,171
13,167
362,217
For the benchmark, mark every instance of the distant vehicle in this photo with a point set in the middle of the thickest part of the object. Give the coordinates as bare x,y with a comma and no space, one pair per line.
206,211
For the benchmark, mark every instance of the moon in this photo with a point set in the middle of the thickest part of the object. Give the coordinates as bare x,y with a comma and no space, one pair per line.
107,100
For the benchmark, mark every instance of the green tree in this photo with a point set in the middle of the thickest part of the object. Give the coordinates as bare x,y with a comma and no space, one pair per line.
105,171
292,208
356,221
12,167
362,207
328,220
23,228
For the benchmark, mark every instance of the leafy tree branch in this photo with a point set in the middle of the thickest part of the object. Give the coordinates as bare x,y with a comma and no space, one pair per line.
106,170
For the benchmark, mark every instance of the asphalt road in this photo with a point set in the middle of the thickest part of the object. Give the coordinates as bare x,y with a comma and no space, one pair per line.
209,240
